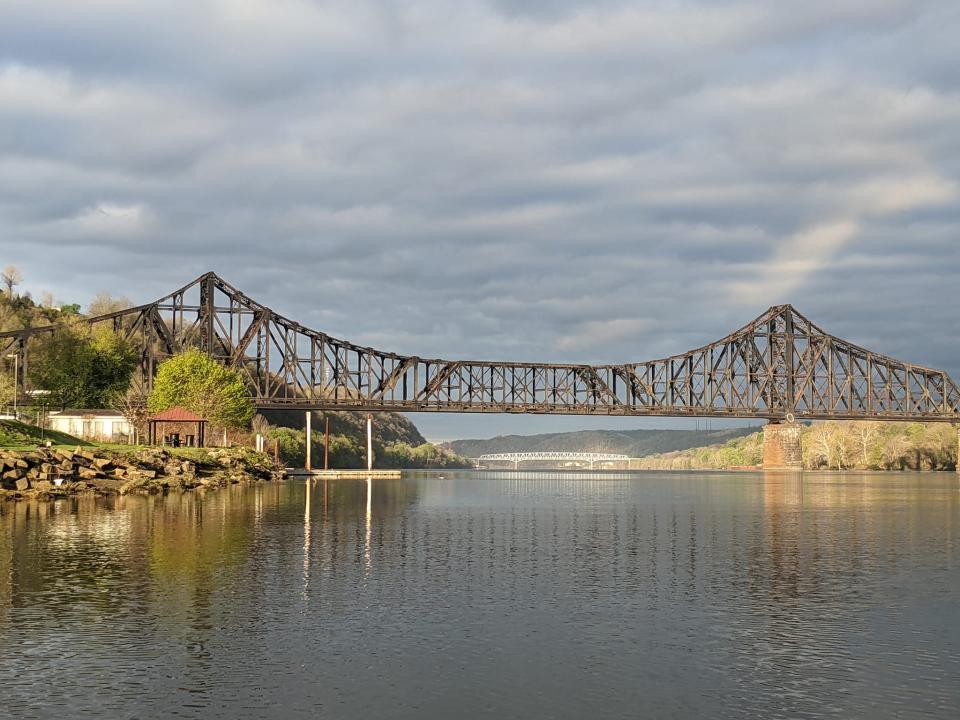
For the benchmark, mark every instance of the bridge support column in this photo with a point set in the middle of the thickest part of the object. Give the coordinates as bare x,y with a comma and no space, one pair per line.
369,443
781,446
958,449
309,464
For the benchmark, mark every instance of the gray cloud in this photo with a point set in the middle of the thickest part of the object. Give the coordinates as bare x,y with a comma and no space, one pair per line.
596,181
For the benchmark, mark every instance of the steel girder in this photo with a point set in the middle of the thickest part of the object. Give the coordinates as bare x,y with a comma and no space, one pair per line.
777,366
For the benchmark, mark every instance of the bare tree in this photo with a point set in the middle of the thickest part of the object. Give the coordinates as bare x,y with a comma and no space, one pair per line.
821,444
865,433
133,406
260,425
10,277
840,442
893,450
104,304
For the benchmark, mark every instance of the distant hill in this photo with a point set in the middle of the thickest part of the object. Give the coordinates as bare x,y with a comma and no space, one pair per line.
388,427
635,443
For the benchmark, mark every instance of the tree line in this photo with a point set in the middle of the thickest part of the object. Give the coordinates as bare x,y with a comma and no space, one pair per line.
832,445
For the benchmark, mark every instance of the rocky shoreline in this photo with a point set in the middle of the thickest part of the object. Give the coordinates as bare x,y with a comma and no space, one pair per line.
48,473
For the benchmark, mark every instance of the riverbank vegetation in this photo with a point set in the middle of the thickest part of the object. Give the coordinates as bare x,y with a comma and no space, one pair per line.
349,451
831,445
79,367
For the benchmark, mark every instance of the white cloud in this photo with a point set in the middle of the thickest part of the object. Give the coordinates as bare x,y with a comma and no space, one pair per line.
539,180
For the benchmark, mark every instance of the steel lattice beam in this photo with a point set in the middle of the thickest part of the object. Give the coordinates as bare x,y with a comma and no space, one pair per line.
777,366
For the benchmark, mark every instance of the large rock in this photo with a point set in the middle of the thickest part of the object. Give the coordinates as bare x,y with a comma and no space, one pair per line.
23,484
105,484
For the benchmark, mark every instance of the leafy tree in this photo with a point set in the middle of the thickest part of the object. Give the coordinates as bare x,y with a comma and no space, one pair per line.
81,368
197,382
291,444
345,451
7,385
114,362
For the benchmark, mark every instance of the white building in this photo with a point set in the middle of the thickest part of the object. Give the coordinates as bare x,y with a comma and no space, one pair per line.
99,425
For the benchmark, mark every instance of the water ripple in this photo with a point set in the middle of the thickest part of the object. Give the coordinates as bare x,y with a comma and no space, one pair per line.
489,596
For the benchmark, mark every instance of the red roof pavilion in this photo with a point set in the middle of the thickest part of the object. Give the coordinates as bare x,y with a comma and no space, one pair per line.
177,416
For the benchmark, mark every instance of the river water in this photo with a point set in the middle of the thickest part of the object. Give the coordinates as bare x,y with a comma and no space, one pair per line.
490,595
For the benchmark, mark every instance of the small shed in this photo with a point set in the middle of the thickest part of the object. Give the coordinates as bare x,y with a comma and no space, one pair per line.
93,424
178,427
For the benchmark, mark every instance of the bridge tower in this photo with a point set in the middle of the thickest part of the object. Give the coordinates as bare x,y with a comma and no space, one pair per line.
781,446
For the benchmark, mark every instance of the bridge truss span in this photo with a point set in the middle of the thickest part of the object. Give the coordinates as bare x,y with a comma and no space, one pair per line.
778,366
553,456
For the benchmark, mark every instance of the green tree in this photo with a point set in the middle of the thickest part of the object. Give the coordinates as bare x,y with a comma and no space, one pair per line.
80,367
292,445
6,387
345,452
197,382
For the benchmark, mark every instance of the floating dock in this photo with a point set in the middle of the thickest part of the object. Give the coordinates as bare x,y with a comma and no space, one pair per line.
345,474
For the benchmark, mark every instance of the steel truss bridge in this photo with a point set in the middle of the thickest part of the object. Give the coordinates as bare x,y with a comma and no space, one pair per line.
546,456
778,366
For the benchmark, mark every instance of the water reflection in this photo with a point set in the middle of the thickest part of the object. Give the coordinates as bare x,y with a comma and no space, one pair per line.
489,595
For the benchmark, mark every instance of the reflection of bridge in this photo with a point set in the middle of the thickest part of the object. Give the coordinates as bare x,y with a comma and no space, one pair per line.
565,457
780,366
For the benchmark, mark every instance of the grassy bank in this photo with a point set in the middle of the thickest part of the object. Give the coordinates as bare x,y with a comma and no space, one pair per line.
19,435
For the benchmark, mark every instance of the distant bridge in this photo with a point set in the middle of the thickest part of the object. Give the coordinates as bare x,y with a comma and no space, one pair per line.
780,366
570,457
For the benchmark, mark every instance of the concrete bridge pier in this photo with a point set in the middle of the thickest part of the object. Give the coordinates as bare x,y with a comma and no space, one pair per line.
781,446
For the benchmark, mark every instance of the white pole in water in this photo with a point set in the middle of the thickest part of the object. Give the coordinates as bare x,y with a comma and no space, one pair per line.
309,440
369,442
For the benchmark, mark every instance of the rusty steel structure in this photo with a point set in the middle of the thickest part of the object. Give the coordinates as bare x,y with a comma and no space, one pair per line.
779,366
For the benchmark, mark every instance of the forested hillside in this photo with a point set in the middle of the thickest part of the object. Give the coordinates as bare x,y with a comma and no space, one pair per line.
396,441
834,446
635,443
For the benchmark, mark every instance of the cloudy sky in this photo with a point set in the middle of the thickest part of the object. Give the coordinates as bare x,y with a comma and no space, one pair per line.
529,180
